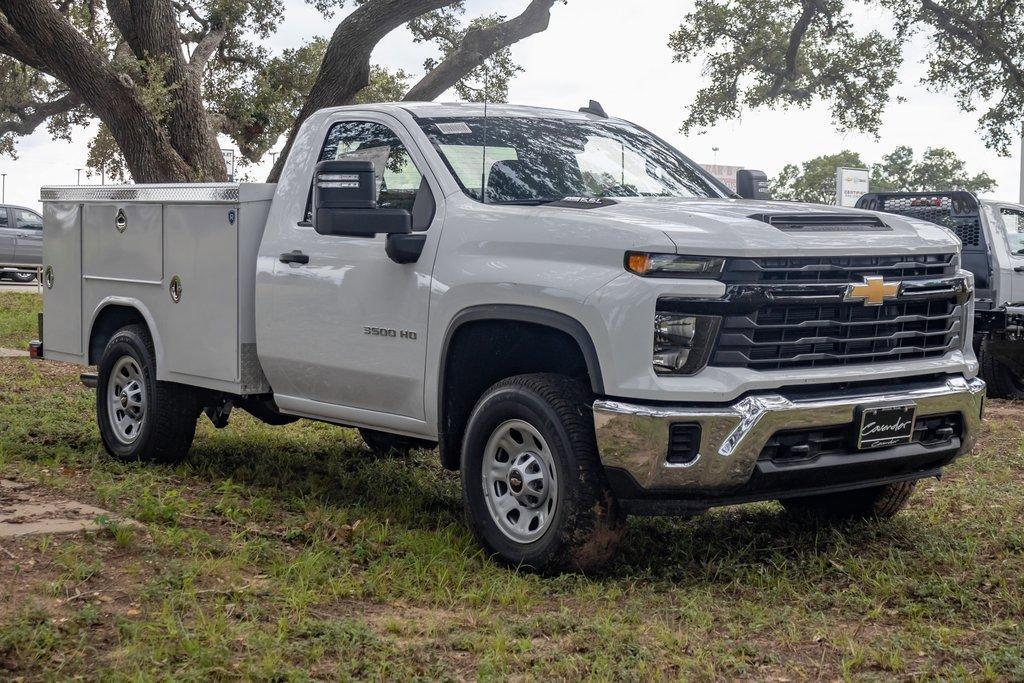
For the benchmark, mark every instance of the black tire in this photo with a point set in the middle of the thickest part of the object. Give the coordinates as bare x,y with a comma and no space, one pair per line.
1001,381
586,523
385,445
877,502
167,425
22,277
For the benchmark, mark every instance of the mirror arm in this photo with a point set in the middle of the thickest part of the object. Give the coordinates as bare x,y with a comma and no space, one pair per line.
405,248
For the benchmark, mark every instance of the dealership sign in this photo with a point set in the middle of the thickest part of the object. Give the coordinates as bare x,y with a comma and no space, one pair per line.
851,185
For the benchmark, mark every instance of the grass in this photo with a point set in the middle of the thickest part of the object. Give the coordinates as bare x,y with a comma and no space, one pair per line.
18,318
289,553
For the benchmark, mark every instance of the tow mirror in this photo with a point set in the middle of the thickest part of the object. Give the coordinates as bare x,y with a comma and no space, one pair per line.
345,202
752,184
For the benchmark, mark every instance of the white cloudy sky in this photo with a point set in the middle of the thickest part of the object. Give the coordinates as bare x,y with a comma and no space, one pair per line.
616,52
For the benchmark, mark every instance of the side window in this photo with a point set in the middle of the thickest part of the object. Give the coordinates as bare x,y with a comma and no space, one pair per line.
1013,226
27,220
398,179
3,217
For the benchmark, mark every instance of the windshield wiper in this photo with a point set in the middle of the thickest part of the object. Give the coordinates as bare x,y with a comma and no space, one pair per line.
527,202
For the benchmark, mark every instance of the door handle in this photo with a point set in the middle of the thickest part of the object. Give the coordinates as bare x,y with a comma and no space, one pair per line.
294,257
1019,269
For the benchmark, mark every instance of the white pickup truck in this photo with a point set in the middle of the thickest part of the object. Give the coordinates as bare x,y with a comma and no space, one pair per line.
586,323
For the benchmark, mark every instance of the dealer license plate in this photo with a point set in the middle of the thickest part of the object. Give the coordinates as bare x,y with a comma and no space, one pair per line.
886,426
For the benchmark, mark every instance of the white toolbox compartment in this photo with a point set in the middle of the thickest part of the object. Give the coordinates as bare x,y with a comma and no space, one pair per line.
155,248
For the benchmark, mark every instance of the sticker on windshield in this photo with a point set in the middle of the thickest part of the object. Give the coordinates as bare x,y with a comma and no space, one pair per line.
456,128
583,202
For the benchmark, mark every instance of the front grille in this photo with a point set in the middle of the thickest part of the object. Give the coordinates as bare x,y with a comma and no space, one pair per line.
837,268
803,445
807,335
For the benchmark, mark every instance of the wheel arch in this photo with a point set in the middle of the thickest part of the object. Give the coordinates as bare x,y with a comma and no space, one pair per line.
564,337
112,314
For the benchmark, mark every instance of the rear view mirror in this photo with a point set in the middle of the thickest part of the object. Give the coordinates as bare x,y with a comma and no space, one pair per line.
345,202
752,184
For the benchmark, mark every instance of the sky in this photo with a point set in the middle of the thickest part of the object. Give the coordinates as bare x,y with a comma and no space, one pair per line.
617,53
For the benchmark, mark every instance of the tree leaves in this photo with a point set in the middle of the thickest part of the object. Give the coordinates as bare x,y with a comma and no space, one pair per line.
795,52
939,169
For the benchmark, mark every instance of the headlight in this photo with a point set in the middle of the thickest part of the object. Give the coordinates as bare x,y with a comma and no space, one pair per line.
670,265
682,343
956,263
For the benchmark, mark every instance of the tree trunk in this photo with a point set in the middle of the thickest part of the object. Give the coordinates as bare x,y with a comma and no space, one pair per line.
151,29
115,100
345,69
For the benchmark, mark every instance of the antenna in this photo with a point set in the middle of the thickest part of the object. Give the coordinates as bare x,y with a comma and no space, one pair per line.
483,159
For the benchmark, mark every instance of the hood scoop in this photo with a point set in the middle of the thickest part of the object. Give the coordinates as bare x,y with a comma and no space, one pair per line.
823,222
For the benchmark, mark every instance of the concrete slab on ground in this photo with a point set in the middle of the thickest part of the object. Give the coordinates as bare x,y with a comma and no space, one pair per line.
13,353
29,510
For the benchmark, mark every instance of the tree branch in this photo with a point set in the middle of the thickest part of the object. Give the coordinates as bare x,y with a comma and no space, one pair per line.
205,49
12,45
970,31
796,37
477,46
345,69
32,115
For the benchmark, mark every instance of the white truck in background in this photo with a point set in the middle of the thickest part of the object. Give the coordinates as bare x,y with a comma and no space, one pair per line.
585,322
992,236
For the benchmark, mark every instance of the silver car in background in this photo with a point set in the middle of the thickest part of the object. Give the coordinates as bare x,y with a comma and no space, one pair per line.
21,243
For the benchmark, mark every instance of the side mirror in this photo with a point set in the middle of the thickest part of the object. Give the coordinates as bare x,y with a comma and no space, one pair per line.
752,184
345,202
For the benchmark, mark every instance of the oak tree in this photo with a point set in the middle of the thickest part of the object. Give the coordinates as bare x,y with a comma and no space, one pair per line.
165,77
792,53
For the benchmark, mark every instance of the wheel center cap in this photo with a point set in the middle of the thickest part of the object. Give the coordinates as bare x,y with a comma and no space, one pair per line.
515,481
124,401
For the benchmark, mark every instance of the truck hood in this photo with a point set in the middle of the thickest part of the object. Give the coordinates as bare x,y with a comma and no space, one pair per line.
737,227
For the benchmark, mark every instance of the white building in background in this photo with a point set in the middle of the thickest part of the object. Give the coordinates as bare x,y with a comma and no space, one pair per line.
726,174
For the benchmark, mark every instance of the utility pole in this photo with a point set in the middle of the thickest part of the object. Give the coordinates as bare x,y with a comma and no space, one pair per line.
3,188
79,181
1022,165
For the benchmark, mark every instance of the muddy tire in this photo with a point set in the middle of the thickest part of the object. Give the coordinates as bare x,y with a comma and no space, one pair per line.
385,445
141,419
1002,382
533,488
877,502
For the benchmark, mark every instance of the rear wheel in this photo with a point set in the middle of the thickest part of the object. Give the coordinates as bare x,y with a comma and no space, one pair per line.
140,418
1002,382
23,276
877,502
533,487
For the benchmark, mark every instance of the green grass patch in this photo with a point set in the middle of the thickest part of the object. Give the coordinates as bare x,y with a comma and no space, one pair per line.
18,316
291,553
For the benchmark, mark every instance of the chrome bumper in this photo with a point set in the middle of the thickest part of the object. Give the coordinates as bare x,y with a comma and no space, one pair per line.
635,438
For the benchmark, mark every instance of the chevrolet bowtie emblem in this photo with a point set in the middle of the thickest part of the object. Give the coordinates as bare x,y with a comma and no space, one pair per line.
873,292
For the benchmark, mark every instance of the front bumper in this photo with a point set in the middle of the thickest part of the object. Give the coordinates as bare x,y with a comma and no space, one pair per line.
633,441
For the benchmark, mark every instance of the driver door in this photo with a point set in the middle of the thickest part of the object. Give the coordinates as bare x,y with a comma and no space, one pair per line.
353,323
1012,226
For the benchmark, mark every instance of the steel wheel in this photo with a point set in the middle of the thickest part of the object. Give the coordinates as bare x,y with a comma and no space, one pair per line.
519,481
126,399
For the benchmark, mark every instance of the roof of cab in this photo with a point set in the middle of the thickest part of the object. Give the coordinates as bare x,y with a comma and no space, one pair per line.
475,109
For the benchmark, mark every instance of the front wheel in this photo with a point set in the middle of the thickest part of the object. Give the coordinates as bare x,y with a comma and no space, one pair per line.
140,418
1001,380
23,277
877,502
533,487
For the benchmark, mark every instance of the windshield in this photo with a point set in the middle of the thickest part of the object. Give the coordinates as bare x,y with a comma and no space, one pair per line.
1013,228
513,160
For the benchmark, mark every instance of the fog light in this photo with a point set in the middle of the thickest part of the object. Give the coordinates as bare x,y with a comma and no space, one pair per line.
682,343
